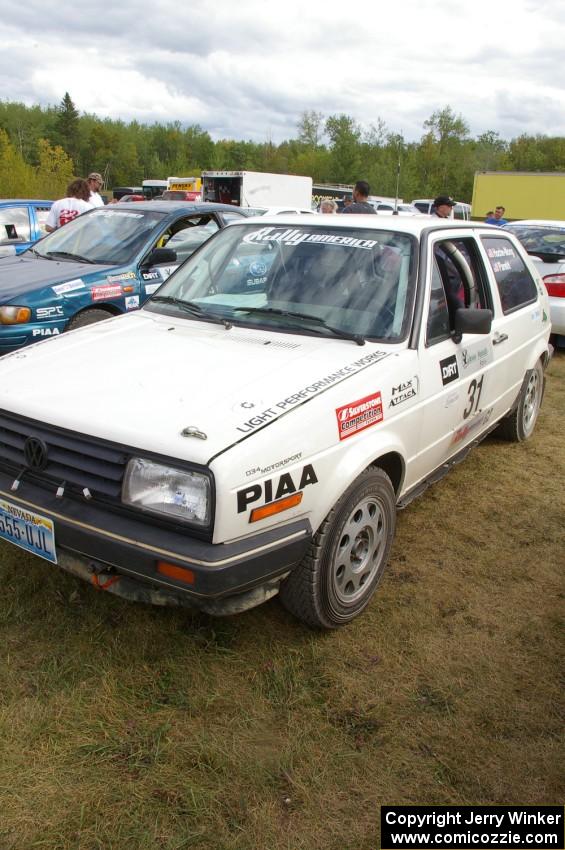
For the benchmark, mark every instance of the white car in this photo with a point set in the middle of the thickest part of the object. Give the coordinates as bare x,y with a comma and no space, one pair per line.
253,211
460,211
545,243
254,427
401,208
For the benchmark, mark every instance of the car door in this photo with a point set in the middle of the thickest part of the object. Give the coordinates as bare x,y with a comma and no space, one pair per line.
458,386
519,314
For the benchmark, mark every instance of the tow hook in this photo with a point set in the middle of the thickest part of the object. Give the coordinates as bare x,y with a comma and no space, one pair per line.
100,577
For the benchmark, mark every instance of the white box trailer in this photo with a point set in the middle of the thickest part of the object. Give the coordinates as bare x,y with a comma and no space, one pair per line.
256,189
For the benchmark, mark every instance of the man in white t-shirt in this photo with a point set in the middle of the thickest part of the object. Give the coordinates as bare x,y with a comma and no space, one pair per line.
64,210
95,182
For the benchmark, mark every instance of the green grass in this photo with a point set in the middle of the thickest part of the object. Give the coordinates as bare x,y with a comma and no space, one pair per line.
124,726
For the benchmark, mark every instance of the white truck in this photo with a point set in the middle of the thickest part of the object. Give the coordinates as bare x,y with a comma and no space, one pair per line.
256,189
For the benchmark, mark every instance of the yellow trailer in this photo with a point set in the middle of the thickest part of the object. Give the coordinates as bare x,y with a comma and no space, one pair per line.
525,194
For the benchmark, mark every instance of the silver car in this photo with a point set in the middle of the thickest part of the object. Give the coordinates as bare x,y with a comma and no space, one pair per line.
544,241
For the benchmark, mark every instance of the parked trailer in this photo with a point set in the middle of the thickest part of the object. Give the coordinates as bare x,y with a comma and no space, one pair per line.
255,188
524,194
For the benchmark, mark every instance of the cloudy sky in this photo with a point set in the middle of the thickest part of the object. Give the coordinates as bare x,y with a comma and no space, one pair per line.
247,69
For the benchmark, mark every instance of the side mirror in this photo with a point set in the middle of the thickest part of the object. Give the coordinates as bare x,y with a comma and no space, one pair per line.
160,257
471,320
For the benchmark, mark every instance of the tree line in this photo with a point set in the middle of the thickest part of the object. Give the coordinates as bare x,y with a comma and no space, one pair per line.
43,148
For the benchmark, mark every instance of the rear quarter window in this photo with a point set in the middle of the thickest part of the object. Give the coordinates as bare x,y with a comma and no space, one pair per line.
515,284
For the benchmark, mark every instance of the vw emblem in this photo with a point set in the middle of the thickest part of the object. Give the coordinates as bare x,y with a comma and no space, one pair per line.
35,453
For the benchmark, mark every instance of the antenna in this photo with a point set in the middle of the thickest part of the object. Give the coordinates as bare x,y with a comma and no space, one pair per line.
395,212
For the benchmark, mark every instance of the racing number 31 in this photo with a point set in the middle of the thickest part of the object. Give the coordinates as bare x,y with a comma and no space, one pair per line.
474,393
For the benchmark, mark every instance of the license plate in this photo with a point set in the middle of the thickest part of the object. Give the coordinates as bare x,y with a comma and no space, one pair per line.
28,530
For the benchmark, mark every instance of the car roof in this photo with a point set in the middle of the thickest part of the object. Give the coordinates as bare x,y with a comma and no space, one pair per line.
540,222
410,224
4,201
175,206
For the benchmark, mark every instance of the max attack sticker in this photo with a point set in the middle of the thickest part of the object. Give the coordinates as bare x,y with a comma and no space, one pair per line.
275,488
132,302
361,414
150,288
404,391
449,370
69,286
101,293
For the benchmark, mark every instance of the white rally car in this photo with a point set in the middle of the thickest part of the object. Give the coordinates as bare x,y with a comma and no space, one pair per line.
253,428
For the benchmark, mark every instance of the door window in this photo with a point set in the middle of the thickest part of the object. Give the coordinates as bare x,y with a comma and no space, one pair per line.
41,215
189,234
515,283
14,224
458,281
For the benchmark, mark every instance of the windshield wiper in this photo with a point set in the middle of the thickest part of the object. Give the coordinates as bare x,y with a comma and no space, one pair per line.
275,311
37,254
192,308
69,256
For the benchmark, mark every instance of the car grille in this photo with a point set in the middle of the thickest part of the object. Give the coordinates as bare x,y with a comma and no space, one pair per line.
77,461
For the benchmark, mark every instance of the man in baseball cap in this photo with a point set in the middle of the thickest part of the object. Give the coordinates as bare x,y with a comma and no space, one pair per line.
443,205
95,182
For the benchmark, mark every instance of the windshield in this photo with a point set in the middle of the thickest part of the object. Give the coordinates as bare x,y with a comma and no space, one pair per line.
540,240
313,278
103,236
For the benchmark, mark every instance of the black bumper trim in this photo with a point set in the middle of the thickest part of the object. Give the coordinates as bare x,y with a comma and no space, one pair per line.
133,546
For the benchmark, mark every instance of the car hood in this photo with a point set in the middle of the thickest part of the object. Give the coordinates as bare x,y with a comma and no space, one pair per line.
142,379
22,274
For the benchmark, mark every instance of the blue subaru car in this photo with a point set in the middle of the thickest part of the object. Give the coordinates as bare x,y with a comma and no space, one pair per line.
103,263
22,222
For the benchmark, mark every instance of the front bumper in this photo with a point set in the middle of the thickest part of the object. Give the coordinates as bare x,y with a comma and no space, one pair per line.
106,544
13,337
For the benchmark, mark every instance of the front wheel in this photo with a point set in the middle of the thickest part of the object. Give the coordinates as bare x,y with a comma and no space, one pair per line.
347,556
520,424
88,317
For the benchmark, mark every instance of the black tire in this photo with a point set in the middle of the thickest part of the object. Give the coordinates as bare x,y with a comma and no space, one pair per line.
520,424
347,556
87,317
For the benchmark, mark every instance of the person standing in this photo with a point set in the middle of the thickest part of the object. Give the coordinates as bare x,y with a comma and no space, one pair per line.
95,183
328,206
442,207
360,200
65,209
497,218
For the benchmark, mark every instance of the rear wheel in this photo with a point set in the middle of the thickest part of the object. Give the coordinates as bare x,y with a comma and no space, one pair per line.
520,424
88,317
347,556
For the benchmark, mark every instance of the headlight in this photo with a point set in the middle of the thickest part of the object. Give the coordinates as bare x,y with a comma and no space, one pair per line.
11,315
166,490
